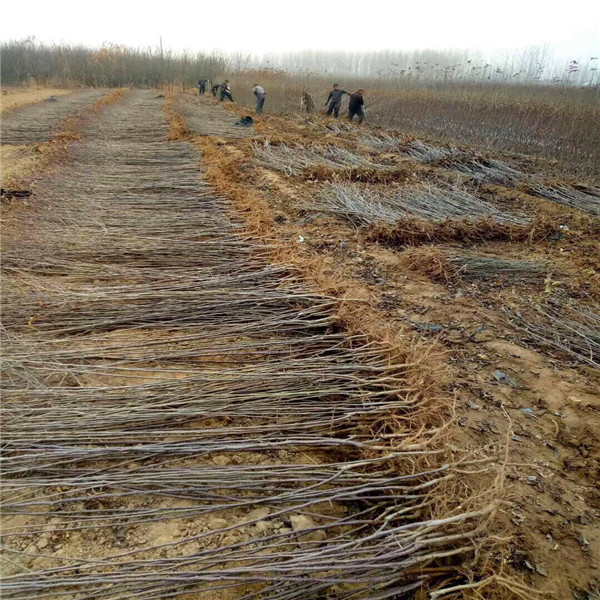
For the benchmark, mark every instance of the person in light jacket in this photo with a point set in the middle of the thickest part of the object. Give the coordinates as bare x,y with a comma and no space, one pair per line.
260,94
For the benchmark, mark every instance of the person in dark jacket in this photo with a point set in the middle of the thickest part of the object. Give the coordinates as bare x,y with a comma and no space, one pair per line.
202,86
355,106
334,100
214,89
226,91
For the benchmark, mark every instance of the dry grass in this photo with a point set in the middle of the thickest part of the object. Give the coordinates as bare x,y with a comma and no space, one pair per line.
399,174
19,163
413,231
429,261
449,266
15,97
178,126
96,107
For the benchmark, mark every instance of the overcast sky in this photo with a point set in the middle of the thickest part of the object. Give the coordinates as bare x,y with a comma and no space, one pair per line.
570,29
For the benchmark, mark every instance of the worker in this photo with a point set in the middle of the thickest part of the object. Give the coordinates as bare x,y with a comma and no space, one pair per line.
226,91
334,100
214,89
307,104
260,94
355,105
202,86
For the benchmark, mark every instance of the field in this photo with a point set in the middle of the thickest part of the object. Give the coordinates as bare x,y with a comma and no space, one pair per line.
298,360
556,123
15,97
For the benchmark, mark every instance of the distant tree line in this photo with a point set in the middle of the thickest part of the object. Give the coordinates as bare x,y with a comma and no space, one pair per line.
27,61
529,66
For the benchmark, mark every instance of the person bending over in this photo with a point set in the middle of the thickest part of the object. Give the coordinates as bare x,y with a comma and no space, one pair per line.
356,105
226,91
260,94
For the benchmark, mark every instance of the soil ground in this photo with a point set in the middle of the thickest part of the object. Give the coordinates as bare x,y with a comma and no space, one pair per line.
548,422
140,321
540,423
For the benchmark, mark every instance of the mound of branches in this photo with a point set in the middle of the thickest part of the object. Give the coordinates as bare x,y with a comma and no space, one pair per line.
338,128
570,329
415,231
426,153
437,204
358,204
363,206
586,198
448,266
397,174
380,141
294,160
480,169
